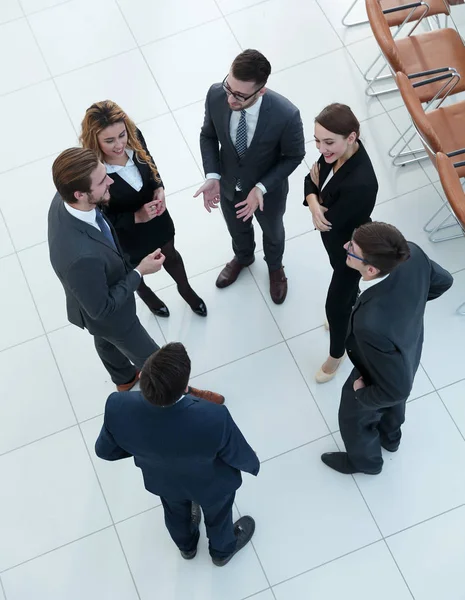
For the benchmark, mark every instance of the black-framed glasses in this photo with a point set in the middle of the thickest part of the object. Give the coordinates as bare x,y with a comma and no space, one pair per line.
237,96
352,255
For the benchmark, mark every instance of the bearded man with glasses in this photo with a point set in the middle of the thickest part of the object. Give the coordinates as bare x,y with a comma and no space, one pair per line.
384,343
251,141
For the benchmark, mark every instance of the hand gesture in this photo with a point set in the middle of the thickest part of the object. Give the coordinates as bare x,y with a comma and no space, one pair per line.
151,263
146,213
319,220
211,193
315,174
159,200
359,384
247,207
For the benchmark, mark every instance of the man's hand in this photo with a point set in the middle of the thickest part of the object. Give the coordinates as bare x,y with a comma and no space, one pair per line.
247,207
211,193
359,384
151,263
159,200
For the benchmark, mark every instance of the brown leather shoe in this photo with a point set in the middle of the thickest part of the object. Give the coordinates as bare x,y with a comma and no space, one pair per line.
125,387
206,395
230,272
278,286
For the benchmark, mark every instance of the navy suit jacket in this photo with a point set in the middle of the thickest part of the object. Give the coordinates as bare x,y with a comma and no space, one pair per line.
192,450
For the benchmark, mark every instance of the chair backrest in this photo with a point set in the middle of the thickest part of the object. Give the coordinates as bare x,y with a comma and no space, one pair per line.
415,109
383,35
451,185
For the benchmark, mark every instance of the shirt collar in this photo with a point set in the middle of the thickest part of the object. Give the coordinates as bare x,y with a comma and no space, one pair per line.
366,285
116,168
88,216
255,108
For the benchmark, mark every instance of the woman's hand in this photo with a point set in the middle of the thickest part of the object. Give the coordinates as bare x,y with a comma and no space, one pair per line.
315,174
318,215
146,213
159,199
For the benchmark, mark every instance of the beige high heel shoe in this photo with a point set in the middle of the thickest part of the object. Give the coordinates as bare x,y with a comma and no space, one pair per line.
322,377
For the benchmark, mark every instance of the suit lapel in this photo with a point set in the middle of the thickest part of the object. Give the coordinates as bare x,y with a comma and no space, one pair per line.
226,117
344,171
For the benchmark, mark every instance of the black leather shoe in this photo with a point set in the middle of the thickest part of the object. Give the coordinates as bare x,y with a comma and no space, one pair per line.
244,529
390,448
195,519
339,461
201,309
160,312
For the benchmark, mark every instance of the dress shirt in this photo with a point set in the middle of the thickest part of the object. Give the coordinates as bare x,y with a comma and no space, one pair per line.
365,285
251,119
88,216
129,172
327,180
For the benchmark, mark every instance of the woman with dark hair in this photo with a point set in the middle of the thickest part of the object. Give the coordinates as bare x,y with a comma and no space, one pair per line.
137,206
340,191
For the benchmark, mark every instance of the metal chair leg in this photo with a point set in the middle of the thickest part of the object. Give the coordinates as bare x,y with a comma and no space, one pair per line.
346,23
432,236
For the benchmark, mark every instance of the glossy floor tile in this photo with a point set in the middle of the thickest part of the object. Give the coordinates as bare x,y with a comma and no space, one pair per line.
75,526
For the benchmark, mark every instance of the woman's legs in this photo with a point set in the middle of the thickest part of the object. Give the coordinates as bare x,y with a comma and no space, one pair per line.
342,294
174,266
148,296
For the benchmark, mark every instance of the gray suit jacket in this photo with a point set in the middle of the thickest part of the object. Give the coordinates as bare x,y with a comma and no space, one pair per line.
99,283
276,150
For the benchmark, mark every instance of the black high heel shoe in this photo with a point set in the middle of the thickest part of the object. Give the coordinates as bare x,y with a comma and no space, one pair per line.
160,312
201,309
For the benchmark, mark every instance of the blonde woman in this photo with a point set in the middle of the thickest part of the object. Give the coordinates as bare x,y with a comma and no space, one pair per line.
137,206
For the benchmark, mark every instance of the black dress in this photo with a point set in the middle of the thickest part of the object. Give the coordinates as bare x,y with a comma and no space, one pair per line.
140,239
349,196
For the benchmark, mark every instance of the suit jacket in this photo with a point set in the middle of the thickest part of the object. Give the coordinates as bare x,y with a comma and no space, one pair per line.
192,450
137,240
99,284
385,336
276,150
349,196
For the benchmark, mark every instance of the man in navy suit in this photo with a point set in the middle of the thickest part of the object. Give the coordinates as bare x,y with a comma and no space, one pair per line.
190,452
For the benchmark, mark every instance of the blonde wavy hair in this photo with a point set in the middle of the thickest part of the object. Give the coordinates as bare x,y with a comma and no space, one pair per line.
101,115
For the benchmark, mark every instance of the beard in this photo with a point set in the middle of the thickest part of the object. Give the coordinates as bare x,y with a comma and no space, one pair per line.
99,202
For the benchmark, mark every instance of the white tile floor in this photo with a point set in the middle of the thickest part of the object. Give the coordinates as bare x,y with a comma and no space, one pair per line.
72,526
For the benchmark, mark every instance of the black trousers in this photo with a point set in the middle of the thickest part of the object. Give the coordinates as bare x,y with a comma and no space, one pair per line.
271,223
121,354
364,429
341,297
218,522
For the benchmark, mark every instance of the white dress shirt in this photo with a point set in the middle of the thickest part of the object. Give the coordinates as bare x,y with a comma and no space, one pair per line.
251,119
365,285
327,180
129,172
88,216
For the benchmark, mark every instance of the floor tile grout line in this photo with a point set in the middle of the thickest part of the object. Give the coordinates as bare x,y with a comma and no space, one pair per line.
28,560
398,568
2,587
318,439
41,438
444,512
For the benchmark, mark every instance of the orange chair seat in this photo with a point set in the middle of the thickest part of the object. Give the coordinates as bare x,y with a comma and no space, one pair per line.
433,50
436,7
449,124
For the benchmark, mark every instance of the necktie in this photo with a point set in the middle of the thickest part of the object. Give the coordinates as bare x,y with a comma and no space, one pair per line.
241,140
104,227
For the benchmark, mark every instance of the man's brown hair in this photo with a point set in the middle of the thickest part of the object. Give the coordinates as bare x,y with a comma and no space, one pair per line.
165,375
383,246
251,65
72,171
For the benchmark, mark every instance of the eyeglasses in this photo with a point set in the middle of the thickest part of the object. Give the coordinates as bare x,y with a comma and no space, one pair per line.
239,97
351,254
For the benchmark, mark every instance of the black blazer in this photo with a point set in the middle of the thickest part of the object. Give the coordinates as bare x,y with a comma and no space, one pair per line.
192,450
143,238
99,283
276,150
349,196
385,335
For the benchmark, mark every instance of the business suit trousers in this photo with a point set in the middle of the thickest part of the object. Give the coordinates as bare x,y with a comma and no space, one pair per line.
242,233
364,429
218,522
122,353
341,297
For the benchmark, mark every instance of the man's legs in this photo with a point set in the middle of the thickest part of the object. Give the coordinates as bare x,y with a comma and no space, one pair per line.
389,426
220,527
241,232
359,430
272,225
178,520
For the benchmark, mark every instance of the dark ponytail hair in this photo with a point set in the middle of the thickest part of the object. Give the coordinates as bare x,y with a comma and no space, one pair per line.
339,118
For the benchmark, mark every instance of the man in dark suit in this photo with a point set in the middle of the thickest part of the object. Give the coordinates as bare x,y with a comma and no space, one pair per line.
190,452
251,141
99,283
384,343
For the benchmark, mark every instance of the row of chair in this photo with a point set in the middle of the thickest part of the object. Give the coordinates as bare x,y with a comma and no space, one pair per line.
427,68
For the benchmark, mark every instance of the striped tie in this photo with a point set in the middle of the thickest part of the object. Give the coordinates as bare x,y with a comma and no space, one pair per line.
241,140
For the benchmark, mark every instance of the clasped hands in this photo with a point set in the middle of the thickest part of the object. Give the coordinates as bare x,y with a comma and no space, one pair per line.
152,209
317,210
244,210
